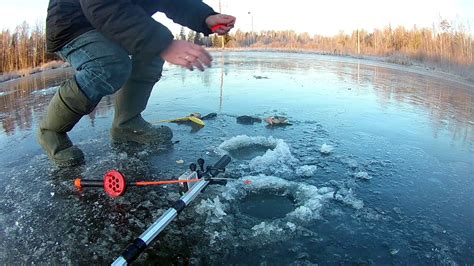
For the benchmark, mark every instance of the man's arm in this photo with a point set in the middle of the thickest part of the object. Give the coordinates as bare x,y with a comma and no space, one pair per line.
129,25
189,13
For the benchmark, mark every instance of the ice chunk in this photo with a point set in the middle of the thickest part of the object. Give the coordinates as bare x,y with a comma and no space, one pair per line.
326,149
291,225
346,196
306,170
277,160
265,229
245,141
303,213
214,209
362,175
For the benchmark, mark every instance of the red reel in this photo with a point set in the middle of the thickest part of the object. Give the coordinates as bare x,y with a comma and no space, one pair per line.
114,183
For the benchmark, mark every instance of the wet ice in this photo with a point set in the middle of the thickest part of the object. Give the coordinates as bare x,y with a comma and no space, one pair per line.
413,210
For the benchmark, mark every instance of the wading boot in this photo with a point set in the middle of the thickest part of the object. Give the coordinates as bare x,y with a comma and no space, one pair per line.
129,125
66,108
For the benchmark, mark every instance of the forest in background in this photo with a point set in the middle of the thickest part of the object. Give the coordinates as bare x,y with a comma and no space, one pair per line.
446,46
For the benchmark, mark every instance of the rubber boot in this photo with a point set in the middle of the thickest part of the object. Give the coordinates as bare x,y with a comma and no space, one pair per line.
129,125
66,108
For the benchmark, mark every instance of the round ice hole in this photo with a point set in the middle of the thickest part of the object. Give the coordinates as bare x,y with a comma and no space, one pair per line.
250,152
267,205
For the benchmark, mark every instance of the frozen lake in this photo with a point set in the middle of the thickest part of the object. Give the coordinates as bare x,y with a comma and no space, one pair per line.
393,185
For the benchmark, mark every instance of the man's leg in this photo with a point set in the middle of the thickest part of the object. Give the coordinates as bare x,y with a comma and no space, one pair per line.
131,100
102,67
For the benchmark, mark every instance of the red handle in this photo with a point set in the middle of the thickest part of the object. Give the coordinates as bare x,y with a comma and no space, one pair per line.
218,26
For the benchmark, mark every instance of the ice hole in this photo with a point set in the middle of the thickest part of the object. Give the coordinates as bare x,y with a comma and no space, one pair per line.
249,152
267,204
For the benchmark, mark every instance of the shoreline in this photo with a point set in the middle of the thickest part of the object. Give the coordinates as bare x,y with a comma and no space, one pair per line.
28,72
404,63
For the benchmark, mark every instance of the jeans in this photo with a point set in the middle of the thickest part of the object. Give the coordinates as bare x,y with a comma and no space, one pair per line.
103,66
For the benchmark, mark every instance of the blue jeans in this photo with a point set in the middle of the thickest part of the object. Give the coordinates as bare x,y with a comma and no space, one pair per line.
103,66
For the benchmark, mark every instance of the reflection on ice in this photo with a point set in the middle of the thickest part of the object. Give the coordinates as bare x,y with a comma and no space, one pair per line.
47,91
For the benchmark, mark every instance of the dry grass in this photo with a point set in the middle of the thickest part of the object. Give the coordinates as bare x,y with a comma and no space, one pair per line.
399,59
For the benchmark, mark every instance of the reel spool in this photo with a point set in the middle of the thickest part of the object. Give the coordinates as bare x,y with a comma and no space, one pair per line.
114,183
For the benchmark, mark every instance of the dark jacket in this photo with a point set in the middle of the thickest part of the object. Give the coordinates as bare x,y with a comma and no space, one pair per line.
127,22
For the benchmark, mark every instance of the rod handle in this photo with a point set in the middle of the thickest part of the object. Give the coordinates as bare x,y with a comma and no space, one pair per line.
81,183
223,162
218,26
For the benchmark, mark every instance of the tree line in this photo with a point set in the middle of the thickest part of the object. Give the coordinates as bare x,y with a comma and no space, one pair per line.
22,48
446,44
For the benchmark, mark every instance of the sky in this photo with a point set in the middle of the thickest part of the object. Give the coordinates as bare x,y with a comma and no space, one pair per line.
315,17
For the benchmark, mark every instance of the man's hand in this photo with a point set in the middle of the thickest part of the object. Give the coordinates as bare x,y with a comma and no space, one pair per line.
187,55
226,21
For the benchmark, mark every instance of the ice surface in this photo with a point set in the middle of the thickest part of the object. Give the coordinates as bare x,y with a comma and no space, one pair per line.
397,159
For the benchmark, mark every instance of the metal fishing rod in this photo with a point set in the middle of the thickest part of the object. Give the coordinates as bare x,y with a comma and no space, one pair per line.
115,184
205,177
